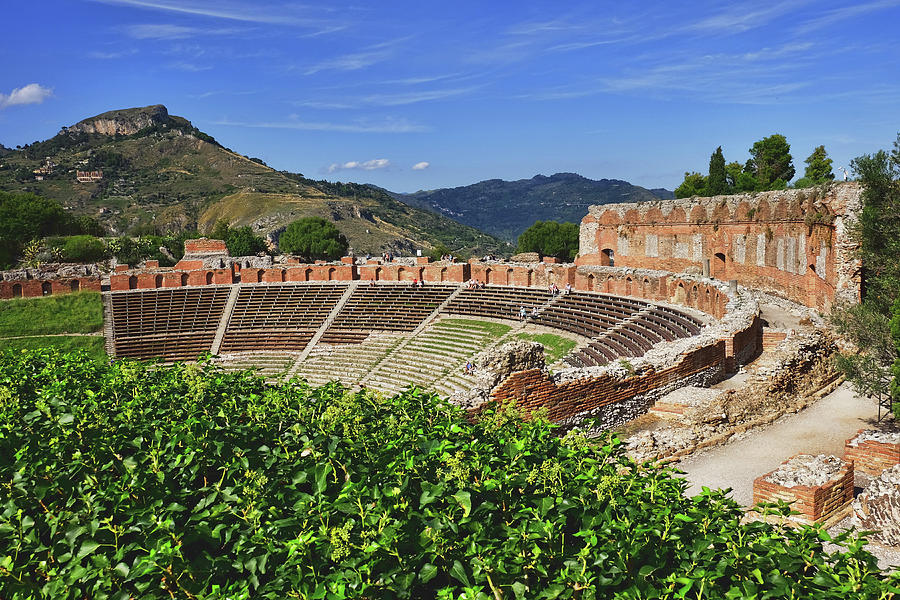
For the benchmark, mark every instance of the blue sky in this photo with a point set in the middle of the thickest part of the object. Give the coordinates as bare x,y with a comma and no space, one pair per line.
420,95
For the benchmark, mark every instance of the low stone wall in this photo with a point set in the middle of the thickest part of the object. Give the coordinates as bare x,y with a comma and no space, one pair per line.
819,488
49,280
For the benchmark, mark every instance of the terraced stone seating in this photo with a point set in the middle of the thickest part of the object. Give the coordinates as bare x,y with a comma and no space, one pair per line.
589,315
347,363
271,366
175,324
279,317
389,307
497,302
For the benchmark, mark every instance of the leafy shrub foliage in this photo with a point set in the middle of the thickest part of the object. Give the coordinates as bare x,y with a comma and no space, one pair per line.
313,238
121,481
550,238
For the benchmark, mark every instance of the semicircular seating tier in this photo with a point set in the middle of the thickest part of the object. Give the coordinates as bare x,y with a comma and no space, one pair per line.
315,319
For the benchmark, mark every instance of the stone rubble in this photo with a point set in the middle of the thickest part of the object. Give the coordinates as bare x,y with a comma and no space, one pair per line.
883,437
494,365
806,470
877,508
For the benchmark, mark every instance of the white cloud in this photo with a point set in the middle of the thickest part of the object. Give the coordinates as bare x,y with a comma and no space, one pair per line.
421,166
166,31
33,93
368,165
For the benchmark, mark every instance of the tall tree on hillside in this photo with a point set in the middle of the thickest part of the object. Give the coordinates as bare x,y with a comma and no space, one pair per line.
550,238
313,238
772,163
716,183
818,166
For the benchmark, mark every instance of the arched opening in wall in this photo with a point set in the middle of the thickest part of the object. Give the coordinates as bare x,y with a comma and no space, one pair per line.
680,295
694,297
645,292
509,276
132,282
813,269
184,279
629,291
331,272
378,274
307,274
17,290
718,266
75,285
707,303
209,277
158,280
528,277
487,276
608,285
443,276
551,276
401,274
46,288
608,257
591,282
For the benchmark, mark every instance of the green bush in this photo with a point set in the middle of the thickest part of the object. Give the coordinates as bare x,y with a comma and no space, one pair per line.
550,238
122,481
84,249
313,238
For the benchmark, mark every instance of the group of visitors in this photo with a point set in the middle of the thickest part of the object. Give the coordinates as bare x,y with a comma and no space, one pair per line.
554,289
417,283
474,284
523,312
387,257
469,369
448,257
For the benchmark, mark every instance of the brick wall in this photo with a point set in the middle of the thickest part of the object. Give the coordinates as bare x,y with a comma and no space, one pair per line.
35,288
816,504
204,246
533,389
788,242
870,456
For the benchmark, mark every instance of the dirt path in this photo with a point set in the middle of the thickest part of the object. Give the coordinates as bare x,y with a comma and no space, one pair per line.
820,429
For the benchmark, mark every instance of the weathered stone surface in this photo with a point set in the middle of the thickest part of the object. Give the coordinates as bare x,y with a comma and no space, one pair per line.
877,508
884,437
526,257
807,470
123,122
494,365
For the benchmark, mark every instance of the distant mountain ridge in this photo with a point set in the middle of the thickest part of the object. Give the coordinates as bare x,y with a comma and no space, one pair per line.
159,173
507,208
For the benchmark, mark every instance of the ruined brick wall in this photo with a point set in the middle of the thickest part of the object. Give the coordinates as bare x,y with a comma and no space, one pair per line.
871,455
793,242
816,504
35,288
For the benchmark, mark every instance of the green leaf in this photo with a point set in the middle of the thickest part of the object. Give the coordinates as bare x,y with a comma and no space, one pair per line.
519,590
459,573
87,547
464,499
427,572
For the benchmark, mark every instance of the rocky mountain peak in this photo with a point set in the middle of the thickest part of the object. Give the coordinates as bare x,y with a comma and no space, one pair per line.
122,122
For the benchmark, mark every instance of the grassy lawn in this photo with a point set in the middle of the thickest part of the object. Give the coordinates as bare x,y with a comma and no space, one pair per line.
555,346
94,345
495,329
81,312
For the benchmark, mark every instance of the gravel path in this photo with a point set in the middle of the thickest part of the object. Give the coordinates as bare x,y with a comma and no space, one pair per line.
820,429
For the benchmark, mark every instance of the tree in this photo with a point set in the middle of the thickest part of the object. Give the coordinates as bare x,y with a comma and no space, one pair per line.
313,238
84,249
438,251
716,183
874,325
550,238
240,241
772,160
818,166
738,179
25,217
694,184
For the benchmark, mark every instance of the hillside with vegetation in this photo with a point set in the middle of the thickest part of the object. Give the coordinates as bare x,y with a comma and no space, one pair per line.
163,175
508,208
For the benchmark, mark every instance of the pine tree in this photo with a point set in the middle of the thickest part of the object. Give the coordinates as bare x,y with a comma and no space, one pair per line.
818,166
716,183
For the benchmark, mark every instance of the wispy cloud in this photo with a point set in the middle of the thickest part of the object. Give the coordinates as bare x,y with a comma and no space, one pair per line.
211,93
33,93
385,126
349,62
743,17
250,12
188,66
414,97
99,55
421,166
367,165
845,13
167,31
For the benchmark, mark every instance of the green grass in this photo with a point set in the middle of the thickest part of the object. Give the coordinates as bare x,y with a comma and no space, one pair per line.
94,345
495,329
81,312
555,346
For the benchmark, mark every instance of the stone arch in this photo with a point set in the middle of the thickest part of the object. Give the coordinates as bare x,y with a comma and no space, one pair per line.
75,285
307,274
699,214
401,273
443,274
17,290
653,215
707,303
132,282
608,257
763,210
677,215
331,272
487,275
378,274
780,210
529,277
209,277
158,281
591,283
509,276
742,212
629,291
694,298
645,288
551,276
722,214
46,288
184,279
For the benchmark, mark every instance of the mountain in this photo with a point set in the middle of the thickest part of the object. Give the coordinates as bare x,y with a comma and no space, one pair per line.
160,173
4,150
507,208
